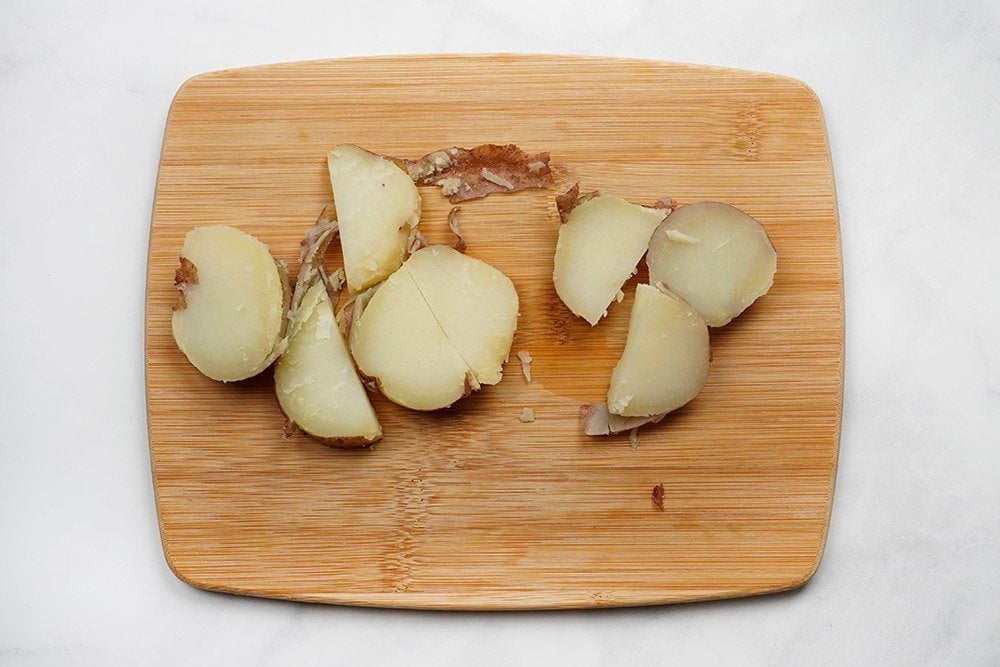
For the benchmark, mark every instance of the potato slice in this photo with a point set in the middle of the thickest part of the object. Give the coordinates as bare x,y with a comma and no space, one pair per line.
397,341
715,257
317,386
315,381
475,304
377,205
600,245
230,320
436,330
665,361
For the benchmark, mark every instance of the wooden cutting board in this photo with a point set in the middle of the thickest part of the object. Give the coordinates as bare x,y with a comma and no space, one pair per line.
468,507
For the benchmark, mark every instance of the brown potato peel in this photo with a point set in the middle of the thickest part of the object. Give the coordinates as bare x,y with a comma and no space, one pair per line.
471,173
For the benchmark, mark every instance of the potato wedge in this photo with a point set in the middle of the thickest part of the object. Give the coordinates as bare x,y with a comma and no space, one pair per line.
377,205
599,246
665,361
315,381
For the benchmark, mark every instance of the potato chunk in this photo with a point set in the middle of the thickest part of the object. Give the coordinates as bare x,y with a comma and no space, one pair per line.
317,386
315,381
475,304
397,341
665,361
377,205
230,321
715,257
599,246
436,330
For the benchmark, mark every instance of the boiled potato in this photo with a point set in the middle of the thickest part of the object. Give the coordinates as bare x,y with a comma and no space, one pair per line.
230,320
665,361
437,329
315,381
475,304
715,257
377,204
599,246
397,342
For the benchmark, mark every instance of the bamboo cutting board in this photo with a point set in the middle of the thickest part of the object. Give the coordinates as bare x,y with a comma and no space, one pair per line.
468,507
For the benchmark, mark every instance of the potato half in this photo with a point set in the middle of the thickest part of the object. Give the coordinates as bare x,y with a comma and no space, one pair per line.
230,319
665,361
599,246
715,257
396,341
436,330
377,205
475,304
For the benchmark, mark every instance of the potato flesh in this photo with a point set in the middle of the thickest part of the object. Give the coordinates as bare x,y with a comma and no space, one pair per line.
475,304
377,204
439,327
599,247
234,314
315,380
397,341
665,361
715,257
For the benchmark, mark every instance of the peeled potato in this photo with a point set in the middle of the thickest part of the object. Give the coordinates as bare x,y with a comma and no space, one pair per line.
230,320
665,361
315,381
715,257
600,244
436,330
397,342
377,205
475,304
317,386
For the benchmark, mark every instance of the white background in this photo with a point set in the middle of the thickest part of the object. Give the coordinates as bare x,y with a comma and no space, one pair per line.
911,93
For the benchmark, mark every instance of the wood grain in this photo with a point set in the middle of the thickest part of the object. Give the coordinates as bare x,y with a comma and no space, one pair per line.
468,507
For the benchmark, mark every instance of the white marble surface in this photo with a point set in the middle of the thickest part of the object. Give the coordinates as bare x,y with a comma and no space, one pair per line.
911,93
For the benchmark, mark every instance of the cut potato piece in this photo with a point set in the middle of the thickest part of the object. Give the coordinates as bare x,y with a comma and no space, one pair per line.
377,205
598,249
475,304
436,330
665,361
315,381
397,341
230,320
715,257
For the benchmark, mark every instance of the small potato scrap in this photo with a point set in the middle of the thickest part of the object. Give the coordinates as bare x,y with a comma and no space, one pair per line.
715,257
471,173
525,358
230,318
598,420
